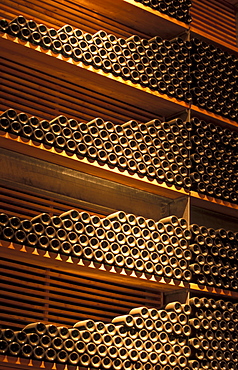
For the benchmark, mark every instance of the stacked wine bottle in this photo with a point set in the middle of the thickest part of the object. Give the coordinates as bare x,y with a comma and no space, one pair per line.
178,9
120,239
214,160
214,339
195,155
145,338
215,256
215,78
158,150
166,248
200,334
161,65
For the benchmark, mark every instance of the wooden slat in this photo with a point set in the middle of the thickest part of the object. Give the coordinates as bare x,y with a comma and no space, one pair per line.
216,19
30,293
30,206
127,291
26,205
115,298
85,303
38,95
61,97
220,31
66,202
31,202
49,99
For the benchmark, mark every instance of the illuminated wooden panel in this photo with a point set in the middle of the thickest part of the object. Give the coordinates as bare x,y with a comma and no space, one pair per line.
32,292
216,21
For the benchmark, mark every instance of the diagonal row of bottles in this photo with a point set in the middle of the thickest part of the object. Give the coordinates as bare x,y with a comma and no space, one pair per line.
193,155
192,71
159,64
178,9
200,334
169,247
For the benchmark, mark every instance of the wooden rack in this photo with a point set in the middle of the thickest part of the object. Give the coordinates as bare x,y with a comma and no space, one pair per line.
38,179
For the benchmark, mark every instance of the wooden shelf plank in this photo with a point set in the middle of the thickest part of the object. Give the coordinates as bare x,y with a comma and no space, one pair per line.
114,275
88,268
213,290
215,22
214,204
18,363
102,170
60,279
97,80
60,157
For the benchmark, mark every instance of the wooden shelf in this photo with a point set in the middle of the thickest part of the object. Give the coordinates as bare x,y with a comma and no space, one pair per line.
102,170
122,18
15,363
88,268
213,204
212,117
95,79
106,84
215,22
213,290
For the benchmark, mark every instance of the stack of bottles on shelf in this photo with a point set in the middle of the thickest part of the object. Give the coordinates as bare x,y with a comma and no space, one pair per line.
120,240
178,9
215,256
214,158
195,155
199,335
146,338
214,339
214,79
167,248
192,71
158,150
161,65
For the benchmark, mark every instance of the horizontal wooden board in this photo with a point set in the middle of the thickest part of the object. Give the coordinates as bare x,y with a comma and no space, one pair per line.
94,168
216,20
